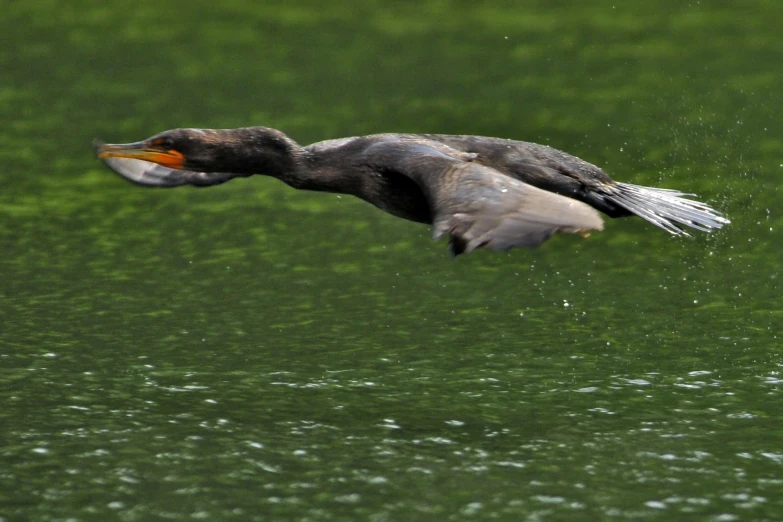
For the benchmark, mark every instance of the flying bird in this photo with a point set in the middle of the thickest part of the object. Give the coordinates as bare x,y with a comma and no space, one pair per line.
480,191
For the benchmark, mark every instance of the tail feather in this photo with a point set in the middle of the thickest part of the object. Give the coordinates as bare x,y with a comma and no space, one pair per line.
667,208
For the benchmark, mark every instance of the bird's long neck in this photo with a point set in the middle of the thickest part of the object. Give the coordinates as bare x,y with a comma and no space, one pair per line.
335,167
269,152
256,150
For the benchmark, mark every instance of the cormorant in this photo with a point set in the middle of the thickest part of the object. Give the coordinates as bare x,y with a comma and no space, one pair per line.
482,192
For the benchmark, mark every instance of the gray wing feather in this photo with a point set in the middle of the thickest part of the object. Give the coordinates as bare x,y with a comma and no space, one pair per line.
478,206
505,213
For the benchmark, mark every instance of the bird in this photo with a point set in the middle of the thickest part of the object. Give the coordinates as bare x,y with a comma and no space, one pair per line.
481,192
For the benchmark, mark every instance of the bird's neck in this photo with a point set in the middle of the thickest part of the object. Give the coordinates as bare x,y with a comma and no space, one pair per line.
260,150
269,152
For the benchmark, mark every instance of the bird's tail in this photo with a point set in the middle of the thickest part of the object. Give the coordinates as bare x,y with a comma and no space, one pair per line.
666,208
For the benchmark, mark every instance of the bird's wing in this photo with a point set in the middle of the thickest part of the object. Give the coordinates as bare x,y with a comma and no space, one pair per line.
477,206
153,175
557,171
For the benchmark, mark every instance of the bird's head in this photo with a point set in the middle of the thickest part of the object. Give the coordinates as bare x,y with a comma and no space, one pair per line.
182,149
200,153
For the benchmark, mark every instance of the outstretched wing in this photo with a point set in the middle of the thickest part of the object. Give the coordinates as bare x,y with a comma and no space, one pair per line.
153,175
477,206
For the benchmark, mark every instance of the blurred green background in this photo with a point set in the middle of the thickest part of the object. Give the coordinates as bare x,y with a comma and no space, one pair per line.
251,352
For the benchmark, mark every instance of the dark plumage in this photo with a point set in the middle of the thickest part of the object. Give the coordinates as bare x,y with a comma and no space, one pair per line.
482,192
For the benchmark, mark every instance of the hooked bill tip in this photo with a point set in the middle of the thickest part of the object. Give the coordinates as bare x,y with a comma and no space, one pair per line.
97,145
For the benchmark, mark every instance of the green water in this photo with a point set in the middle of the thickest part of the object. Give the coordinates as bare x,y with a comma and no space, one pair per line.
249,352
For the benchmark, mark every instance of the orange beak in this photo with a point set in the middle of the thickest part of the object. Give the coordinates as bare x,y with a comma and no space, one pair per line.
142,151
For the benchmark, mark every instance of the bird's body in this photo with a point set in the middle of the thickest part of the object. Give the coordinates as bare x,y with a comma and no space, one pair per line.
481,191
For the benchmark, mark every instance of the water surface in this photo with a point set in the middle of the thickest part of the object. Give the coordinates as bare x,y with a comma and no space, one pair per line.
254,353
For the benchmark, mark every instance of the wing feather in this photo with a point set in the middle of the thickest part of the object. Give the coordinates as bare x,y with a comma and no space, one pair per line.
480,207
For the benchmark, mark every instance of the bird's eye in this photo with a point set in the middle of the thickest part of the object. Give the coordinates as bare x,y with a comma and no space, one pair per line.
163,143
